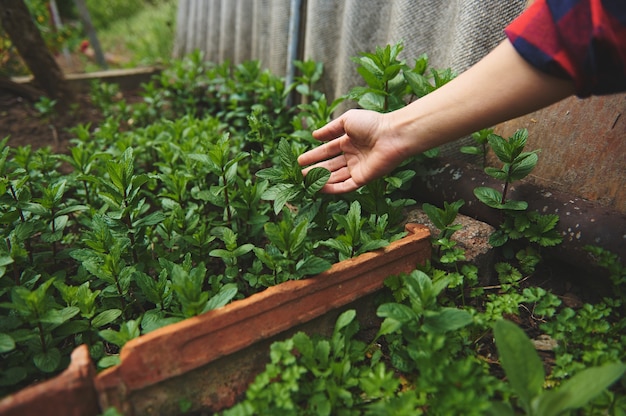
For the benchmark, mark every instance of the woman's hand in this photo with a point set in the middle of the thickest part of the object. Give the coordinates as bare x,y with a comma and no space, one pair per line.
359,148
364,145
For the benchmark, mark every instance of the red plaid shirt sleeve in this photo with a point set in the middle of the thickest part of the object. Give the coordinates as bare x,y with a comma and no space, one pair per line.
582,40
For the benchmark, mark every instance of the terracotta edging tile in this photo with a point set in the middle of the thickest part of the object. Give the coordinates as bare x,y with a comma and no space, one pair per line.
71,393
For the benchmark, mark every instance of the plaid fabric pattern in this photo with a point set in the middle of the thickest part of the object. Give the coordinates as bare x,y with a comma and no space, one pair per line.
583,40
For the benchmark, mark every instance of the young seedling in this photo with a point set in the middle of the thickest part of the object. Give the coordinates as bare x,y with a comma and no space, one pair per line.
481,149
517,164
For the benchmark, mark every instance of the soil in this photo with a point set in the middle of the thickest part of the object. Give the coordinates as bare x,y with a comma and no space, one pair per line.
25,126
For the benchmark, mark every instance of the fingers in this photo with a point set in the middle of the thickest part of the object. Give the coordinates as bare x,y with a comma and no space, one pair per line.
321,153
340,175
330,156
340,180
330,131
340,187
332,165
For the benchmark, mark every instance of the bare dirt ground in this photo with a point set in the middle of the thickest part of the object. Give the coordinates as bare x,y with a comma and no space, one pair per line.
24,125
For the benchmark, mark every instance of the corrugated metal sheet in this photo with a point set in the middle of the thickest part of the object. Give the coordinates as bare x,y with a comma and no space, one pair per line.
235,31
454,33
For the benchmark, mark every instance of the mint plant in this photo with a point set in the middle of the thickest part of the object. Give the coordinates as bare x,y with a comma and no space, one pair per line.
37,310
518,224
517,164
231,252
288,183
443,219
390,81
481,138
288,256
45,106
163,215
310,73
347,243
121,191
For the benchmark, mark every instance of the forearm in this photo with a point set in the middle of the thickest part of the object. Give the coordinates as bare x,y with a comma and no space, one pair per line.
500,87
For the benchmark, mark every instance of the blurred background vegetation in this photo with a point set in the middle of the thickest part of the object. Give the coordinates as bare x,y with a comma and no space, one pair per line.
131,33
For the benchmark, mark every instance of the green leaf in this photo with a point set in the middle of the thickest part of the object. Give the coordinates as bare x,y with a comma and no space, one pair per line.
114,337
312,265
518,141
397,312
345,319
389,326
105,317
154,319
515,205
578,390
243,249
501,148
340,246
373,101
128,330
435,215
496,173
489,196
522,166
286,155
471,150
12,376
221,253
369,65
520,361
442,218
420,288
445,320
419,83
274,174
6,343
58,316
48,361
286,193
498,238
224,296
151,219
109,361
373,245
6,260
315,179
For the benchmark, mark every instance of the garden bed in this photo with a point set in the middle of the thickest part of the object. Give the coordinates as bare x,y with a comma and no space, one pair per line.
147,176
209,360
